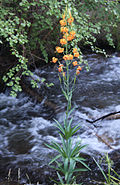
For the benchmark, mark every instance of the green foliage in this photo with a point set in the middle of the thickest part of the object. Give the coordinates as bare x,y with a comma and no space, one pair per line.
68,154
12,29
47,84
95,17
30,27
109,179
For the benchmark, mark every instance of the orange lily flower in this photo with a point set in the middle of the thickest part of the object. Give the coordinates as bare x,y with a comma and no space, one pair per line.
75,63
77,72
63,22
76,54
79,68
59,49
74,50
60,69
63,41
54,60
70,57
65,35
61,65
64,29
70,20
72,33
65,57
70,37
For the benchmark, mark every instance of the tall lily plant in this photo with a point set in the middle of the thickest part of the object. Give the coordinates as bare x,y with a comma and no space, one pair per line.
65,162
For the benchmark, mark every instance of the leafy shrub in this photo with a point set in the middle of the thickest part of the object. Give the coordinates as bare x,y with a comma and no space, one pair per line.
30,27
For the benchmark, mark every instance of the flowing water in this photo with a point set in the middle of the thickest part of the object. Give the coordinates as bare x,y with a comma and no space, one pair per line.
25,125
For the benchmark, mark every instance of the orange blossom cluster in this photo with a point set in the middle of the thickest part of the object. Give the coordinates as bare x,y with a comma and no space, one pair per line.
67,36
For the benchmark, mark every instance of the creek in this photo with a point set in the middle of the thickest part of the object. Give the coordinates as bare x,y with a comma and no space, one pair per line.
26,125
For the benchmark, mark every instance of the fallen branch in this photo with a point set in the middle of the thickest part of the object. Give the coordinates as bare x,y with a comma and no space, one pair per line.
103,117
110,116
100,138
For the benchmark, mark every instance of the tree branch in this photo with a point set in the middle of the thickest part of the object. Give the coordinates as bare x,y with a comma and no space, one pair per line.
103,117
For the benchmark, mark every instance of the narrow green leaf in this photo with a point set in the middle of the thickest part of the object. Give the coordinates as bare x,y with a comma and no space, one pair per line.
60,178
75,129
69,125
83,163
115,178
115,172
69,178
66,164
80,158
71,111
65,147
65,124
76,149
69,146
54,159
72,164
66,175
101,169
114,183
59,126
65,94
54,180
54,146
80,170
57,147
